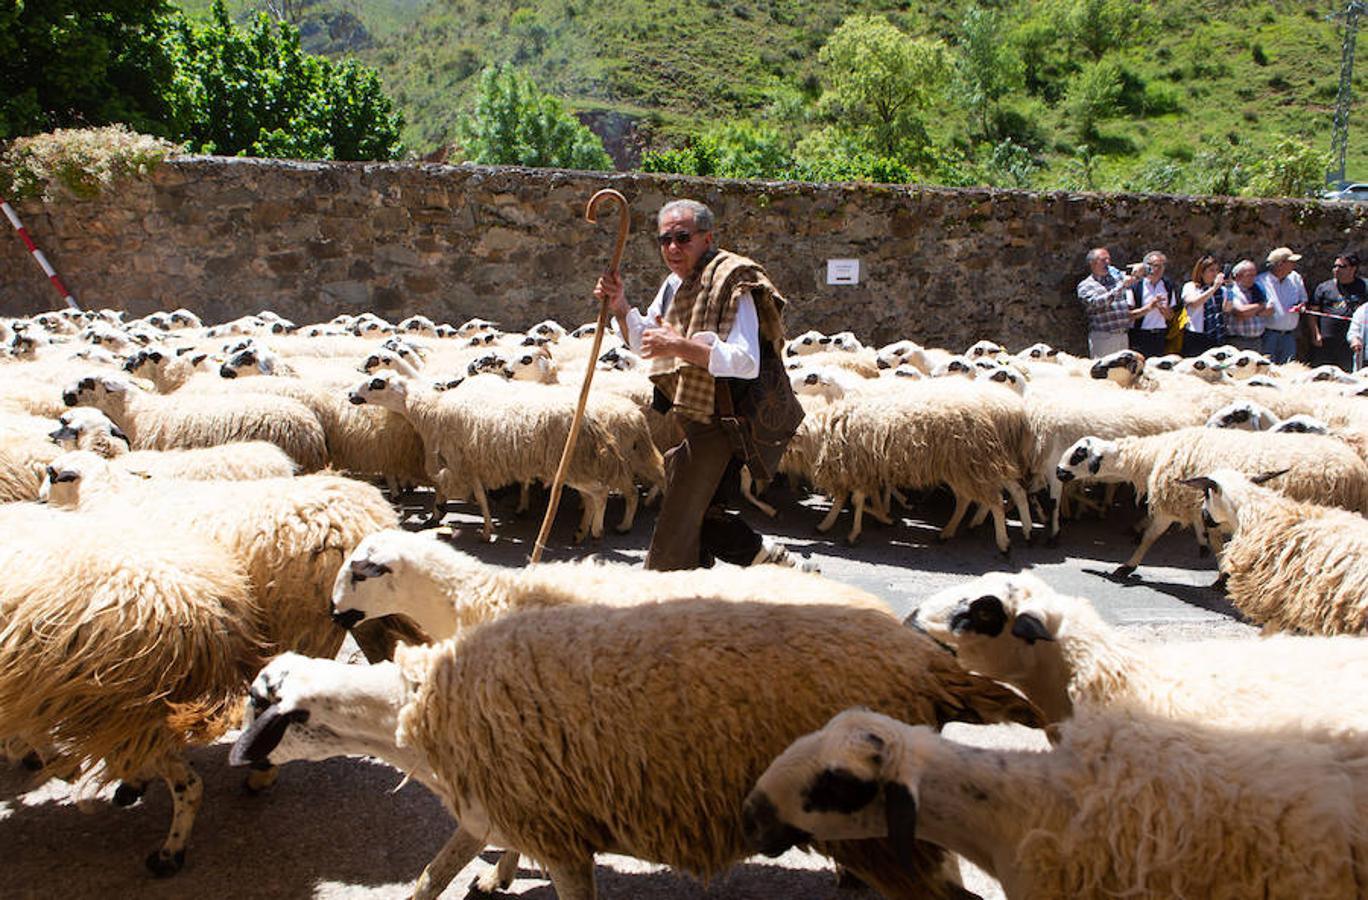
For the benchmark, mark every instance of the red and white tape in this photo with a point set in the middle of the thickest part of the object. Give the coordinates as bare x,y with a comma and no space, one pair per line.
46,266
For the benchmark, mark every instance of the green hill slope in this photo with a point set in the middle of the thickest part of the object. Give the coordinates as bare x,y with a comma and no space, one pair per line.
1206,80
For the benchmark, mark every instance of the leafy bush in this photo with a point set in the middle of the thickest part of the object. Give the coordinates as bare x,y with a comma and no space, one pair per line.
78,162
514,123
1091,97
1292,169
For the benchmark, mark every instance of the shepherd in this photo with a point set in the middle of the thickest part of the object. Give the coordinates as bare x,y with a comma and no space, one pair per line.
714,334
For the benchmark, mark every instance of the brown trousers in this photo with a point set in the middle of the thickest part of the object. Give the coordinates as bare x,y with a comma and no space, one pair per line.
692,528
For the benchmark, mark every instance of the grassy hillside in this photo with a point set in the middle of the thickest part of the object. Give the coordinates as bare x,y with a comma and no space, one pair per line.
1203,77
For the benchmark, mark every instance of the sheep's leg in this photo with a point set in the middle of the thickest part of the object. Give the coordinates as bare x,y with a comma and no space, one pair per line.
837,504
454,856
524,497
748,491
573,880
653,495
487,533
1000,528
981,512
500,877
1108,498
130,791
595,504
1023,508
899,496
439,504
879,508
961,507
857,506
186,791
1159,523
629,509
392,485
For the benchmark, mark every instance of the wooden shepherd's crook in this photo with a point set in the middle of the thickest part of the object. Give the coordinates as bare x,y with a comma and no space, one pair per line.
624,223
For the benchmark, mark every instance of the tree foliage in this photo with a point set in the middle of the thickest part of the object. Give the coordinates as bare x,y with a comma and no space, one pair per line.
256,91
877,80
988,67
84,62
1293,169
514,123
1091,97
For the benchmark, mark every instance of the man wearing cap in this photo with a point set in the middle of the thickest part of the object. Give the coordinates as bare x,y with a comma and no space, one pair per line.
1286,294
1106,300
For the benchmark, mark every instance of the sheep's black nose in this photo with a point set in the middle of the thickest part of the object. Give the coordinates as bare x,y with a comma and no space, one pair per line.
349,618
811,378
227,372
1063,474
883,363
69,398
356,399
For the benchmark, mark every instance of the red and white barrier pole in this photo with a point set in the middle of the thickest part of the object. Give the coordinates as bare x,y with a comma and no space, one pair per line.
46,266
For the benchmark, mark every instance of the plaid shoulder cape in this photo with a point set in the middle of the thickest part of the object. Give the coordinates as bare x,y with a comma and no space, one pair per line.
707,301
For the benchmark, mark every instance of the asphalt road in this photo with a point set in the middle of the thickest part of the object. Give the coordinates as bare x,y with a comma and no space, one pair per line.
348,829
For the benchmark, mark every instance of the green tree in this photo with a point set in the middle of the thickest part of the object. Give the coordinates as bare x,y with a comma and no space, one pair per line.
514,123
731,150
1099,26
1292,169
256,91
988,67
1091,97
878,79
84,62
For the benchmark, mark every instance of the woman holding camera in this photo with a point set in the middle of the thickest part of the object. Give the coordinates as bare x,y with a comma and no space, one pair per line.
1204,297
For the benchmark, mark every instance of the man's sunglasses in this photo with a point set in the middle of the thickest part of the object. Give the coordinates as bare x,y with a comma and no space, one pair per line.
677,237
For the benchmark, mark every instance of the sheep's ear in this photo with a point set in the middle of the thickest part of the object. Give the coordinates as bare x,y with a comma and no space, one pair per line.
1030,629
257,742
900,814
198,358
1201,483
181,351
1268,476
983,616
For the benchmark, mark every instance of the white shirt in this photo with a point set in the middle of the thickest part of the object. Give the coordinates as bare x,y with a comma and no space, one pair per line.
1154,318
1282,296
1196,314
738,356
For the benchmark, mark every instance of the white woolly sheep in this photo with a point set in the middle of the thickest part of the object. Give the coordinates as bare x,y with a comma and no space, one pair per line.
845,342
1301,424
1126,805
621,359
1057,650
811,341
122,649
169,371
154,422
291,534
548,328
974,438
1245,415
1321,469
418,325
862,363
444,590
22,460
472,326
955,365
1289,565
255,360
485,435
649,761
386,359
985,348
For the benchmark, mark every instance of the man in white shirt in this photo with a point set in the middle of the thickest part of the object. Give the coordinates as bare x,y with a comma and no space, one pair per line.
701,472
1286,295
1152,302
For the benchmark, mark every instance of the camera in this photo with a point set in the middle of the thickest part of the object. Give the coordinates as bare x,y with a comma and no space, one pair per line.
1141,269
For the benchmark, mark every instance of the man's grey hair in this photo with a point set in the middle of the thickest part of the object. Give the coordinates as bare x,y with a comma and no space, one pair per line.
1094,253
1244,265
702,216
1156,256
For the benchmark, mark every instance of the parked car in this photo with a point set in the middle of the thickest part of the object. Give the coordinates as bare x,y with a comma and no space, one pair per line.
1349,190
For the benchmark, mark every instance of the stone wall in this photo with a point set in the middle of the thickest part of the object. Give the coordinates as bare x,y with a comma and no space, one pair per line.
227,237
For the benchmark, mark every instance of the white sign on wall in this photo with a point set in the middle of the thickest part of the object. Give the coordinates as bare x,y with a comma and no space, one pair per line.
843,271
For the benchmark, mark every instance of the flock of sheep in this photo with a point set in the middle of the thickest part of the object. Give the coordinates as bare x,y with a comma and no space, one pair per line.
199,520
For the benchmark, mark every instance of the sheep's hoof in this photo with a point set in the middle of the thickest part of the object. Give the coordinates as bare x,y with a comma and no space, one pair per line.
32,761
259,780
486,884
1203,552
1052,541
127,794
1123,571
623,529
164,864
1005,552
